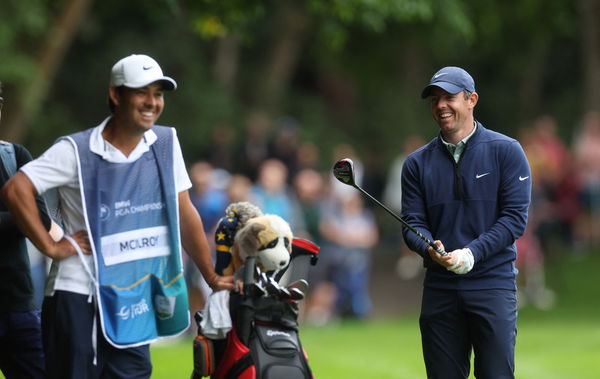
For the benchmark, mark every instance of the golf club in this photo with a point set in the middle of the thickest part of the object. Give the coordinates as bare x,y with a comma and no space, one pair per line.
343,170
257,290
272,287
301,284
296,294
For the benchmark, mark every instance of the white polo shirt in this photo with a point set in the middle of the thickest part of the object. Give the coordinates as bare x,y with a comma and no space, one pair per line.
57,168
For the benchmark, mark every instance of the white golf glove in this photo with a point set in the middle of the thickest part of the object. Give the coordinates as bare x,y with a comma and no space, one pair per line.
464,261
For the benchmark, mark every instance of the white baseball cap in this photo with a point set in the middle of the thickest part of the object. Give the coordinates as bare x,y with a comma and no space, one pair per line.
138,70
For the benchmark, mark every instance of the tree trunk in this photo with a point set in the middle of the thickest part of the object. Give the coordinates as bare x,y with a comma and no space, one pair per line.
49,60
293,24
590,14
530,88
226,62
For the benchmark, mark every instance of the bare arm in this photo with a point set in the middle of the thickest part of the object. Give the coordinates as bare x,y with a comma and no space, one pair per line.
19,196
195,244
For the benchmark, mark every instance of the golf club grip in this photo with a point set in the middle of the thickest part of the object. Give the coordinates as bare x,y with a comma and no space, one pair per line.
439,250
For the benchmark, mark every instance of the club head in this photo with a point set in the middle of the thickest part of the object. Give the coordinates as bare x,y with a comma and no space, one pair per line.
343,170
272,288
301,285
264,279
284,294
296,293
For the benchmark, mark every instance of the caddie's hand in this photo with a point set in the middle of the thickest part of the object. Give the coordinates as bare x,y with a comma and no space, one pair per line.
238,285
63,248
462,261
219,282
442,260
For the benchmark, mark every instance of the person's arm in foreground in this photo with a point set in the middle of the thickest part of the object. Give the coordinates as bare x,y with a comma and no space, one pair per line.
19,195
196,245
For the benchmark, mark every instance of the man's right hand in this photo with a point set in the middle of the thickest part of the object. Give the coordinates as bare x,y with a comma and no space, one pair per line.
444,260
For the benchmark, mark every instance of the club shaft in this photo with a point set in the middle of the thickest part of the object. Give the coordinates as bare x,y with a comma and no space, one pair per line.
421,236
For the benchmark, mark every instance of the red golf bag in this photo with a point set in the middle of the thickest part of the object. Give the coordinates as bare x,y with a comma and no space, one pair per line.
264,342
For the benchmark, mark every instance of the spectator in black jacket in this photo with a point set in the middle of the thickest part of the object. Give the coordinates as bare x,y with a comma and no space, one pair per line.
21,354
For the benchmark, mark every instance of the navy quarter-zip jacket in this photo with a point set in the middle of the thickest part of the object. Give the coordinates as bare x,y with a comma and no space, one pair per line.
480,203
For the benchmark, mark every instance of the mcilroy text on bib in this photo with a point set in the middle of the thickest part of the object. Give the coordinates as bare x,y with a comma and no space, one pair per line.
135,244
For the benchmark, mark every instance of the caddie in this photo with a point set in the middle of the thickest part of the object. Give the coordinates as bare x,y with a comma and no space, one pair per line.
123,185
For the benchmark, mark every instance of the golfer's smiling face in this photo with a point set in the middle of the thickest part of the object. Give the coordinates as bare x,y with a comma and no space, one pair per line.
452,112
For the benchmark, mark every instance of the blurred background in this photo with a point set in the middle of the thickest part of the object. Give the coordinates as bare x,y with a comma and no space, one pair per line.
272,93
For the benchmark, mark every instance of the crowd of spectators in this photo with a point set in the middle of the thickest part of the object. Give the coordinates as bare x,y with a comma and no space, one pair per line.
280,174
274,169
564,218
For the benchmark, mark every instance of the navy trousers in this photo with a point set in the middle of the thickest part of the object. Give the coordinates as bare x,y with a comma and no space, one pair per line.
454,323
67,327
21,354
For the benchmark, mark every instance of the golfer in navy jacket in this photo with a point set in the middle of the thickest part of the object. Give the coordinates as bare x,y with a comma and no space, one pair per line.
468,189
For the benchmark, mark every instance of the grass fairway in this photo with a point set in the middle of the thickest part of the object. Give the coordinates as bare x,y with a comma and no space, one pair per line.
561,343
390,349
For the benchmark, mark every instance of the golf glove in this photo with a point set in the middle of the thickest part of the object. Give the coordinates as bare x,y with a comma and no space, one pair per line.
464,261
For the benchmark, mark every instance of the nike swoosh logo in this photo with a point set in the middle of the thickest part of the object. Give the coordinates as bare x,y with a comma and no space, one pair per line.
440,74
481,175
147,67
521,178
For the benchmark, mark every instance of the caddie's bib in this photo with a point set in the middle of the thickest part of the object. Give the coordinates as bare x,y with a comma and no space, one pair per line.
132,218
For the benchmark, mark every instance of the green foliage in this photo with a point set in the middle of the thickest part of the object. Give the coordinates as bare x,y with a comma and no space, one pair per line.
337,19
357,76
22,24
215,18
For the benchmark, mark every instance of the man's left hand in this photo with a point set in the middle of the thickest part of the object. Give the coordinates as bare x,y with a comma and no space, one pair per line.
462,262
219,282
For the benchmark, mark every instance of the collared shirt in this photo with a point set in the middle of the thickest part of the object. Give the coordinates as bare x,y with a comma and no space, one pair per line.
456,150
110,153
58,167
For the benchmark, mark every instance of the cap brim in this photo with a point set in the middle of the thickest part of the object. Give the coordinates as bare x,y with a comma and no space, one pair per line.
168,84
448,87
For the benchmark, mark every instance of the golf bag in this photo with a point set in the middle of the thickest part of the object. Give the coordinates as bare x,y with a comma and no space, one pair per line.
264,342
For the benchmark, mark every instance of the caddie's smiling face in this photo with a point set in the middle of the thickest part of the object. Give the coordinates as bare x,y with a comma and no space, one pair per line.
452,112
140,107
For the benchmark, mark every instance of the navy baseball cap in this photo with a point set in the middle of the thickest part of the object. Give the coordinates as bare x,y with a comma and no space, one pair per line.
450,79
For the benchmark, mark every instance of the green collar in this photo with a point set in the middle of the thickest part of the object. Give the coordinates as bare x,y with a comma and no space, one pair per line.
456,150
